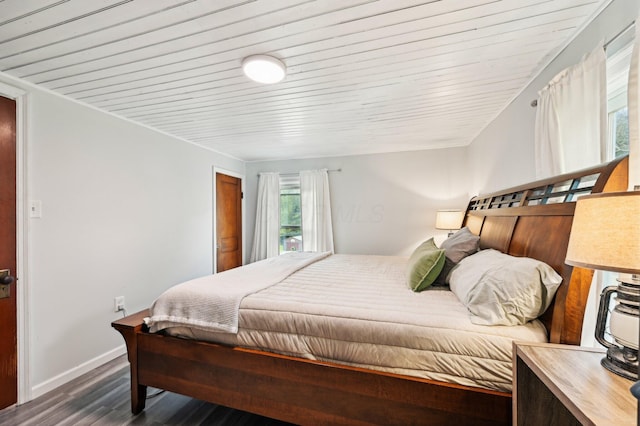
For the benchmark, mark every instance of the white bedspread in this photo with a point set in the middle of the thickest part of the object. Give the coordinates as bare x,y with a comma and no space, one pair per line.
358,310
212,302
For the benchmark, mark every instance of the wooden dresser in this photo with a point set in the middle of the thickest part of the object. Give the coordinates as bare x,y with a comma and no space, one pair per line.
566,385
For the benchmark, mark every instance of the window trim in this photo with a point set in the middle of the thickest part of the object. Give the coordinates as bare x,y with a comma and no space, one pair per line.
619,51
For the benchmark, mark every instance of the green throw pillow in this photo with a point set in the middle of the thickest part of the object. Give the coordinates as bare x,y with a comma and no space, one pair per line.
424,265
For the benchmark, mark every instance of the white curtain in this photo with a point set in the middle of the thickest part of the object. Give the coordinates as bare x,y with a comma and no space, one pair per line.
571,118
317,230
634,113
266,239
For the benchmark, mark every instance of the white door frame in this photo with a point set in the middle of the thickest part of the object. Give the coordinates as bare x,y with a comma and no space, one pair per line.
214,226
22,287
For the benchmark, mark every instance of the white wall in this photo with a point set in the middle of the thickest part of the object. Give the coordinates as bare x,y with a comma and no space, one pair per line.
382,203
126,211
502,155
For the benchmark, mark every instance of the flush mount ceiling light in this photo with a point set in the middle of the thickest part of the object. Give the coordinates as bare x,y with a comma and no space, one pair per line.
263,69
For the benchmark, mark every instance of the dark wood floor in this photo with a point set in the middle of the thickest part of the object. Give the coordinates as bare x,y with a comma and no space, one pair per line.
101,397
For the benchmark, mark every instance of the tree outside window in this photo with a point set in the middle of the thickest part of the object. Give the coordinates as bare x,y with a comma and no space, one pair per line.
620,124
290,218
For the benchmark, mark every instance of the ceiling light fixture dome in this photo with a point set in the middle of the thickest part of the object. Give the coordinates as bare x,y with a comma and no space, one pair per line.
264,69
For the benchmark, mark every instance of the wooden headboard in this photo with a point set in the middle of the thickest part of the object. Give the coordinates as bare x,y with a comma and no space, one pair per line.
534,220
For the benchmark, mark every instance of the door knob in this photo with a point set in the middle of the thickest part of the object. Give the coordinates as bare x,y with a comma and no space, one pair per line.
5,280
5,277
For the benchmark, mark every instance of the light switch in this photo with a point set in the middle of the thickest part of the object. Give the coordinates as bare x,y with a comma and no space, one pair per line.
35,209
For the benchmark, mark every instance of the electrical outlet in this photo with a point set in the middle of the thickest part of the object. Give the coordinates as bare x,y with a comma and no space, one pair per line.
118,304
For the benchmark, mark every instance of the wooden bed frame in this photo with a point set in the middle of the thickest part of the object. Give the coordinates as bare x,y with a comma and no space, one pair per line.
532,220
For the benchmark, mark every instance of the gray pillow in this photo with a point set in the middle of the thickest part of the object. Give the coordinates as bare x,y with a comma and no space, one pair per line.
499,289
460,245
424,265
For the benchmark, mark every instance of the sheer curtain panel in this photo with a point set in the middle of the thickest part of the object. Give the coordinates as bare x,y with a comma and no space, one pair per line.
634,113
266,239
571,119
317,229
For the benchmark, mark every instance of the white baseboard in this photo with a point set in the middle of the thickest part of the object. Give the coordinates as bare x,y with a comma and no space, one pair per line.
67,376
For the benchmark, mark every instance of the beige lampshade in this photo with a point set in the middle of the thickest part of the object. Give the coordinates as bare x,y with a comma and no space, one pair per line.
606,232
449,219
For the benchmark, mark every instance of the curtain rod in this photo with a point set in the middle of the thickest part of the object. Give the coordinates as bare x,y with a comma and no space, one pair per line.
297,173
624,30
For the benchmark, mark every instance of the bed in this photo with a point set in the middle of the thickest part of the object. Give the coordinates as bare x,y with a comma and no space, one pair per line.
532,220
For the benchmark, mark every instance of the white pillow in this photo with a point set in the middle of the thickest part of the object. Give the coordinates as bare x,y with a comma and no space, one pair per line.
499,289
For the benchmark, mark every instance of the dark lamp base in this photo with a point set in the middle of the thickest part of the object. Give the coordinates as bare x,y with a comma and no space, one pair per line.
622,361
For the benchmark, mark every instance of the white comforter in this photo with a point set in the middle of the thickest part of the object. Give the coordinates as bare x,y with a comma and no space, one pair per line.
212,302
358,310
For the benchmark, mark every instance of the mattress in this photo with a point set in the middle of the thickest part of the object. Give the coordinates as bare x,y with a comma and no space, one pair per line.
357,310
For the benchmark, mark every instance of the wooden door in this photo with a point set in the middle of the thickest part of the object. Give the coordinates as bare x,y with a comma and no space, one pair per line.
8,318
228,222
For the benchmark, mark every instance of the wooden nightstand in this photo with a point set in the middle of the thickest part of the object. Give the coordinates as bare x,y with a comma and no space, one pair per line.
566,385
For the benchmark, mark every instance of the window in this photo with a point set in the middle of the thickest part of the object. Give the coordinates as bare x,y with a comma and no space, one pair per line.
290,215
618,62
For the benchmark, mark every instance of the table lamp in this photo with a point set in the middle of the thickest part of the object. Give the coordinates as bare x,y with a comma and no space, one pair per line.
605,235
449,220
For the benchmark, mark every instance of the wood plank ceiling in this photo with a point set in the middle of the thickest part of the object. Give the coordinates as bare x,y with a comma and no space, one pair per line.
363,76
